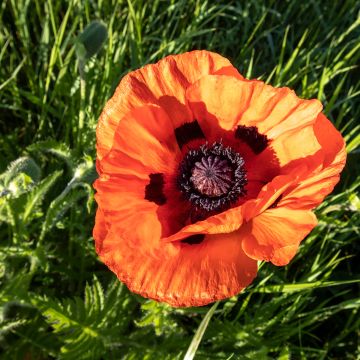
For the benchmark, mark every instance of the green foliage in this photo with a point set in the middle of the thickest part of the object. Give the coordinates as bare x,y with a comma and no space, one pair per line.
58,68
87,326
159,316
77,188
19,177
59,150
35,197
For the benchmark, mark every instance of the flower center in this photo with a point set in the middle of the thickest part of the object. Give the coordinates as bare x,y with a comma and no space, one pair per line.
212,177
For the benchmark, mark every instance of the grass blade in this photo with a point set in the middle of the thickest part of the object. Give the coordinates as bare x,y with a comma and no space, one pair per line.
200,333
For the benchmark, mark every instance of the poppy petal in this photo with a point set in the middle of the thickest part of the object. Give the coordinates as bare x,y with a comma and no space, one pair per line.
269,194
144,143
273,111
323,168
277,110
310,192
229,71
119,202
164,84
331,141
287,128
218,101
295,144
276,234
181,274
125,202
100,230
121,194
225,222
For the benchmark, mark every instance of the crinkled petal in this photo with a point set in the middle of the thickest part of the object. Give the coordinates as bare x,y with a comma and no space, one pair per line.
270,194
180,274
295,145
100,230
324,168
163,83
277,110
119,194
218,102
226,102
144,143
275,234
225,222
331,141
125,202
122,202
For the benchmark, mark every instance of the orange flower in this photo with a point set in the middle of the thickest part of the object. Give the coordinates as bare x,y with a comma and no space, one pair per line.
202,173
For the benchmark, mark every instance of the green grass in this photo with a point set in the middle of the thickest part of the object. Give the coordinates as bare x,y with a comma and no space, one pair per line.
57,300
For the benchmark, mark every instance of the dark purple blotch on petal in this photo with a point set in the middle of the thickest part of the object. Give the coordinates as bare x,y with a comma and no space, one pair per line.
154,191
188,132
251,136
194,239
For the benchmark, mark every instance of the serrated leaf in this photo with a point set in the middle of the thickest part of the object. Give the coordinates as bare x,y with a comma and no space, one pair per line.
24,165
94,299
36,196
84,172
157,315
52,147
17,288
20,177
10,325
18,185
78,322
59,207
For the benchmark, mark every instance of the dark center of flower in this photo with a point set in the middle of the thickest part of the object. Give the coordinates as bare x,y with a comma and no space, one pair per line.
212,177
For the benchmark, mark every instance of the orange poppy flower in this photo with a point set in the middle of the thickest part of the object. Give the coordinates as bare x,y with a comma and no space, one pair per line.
202,173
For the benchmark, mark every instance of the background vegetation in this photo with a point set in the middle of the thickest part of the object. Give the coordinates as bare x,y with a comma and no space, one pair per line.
57,300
